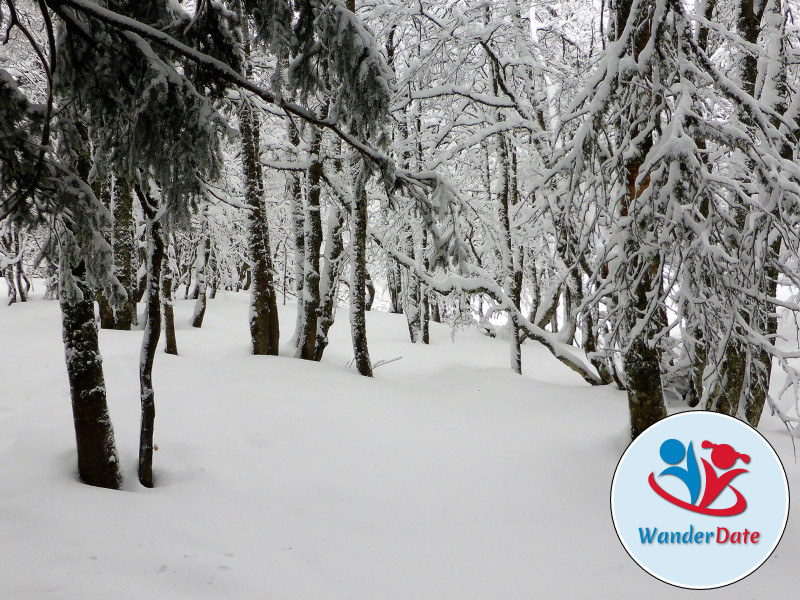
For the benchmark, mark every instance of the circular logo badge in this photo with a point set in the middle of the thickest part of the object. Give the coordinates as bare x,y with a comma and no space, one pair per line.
700,500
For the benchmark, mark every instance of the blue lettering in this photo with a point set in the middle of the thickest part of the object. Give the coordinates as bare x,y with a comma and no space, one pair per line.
647,538
687,537
649,535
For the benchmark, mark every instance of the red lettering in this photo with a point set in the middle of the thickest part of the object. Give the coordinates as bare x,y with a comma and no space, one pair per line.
735,537
720,539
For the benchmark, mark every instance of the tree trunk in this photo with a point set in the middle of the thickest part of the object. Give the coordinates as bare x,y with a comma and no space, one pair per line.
201,267
102,191
310,300
152,332
8,275
411,293
777,95
329,280
643,378
124,242
370,296
98,462
358,267
296,202
213,274
171,343
264,326
9,243
424,304
200,306
436,313
642,359
510,280
394,285
589,344
51,283
19,268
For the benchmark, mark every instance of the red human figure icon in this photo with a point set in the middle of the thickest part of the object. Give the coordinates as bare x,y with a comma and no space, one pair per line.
724,457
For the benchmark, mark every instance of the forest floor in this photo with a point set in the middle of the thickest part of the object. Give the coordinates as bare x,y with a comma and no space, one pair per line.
445,477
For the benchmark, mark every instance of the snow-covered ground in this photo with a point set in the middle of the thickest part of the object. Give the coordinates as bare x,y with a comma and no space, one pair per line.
445,477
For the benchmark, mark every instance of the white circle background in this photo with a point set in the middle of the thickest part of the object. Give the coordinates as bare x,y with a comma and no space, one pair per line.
635,505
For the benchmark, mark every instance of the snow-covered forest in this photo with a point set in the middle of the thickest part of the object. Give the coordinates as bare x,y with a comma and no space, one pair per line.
545,224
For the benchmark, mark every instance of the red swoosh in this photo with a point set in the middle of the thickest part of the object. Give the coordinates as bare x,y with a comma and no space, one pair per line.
737,508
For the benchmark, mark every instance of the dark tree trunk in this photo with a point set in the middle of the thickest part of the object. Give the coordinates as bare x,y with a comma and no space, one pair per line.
642,359
436,313
19,269
213,274
370,297
264,326
511,283
141,286
51,284
8,274
245,278
98,463
358,239
411,294
9,242
393,283
171,342
106,312
295,191
309,302
102,190
124,242
200,308
645,396
201,265
425,307
152,332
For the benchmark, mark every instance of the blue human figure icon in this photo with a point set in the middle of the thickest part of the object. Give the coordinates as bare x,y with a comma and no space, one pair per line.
672,452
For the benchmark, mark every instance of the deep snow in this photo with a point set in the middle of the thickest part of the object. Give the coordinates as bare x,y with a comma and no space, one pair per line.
445,477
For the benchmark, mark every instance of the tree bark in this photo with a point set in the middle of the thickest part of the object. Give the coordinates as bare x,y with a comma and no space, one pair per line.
264,326
436,313
124,242
171,343
766,315
370,296
394,286
98,462
152,332
358,267
201,266
213,274
309,302
511,282
19,269
411,294
329,281
642,358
